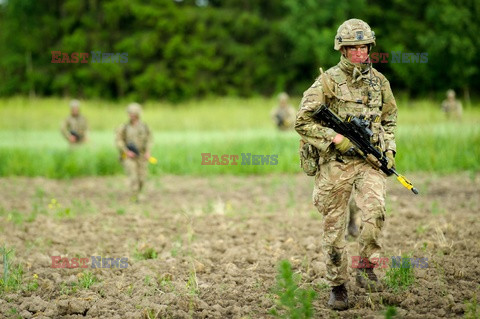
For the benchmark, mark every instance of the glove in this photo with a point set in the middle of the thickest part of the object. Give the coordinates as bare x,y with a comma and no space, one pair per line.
344,145
391,159
373,161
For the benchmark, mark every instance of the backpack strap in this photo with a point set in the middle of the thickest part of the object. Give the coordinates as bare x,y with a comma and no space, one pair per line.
337,79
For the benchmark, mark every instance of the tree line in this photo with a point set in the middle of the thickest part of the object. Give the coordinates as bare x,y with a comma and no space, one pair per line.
182,49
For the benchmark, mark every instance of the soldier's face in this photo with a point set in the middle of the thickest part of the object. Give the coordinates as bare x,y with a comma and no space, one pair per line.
75,111
357,53
133,117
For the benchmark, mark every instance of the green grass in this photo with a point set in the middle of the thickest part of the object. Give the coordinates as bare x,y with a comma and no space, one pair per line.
12,276
31,145
213,114
472,310
86,280
391,312
399,278
145,253
292,302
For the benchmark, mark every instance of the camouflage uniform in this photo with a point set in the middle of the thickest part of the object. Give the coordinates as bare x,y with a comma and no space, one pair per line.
451,106
356,89
352,212
284,114
139,135
75,125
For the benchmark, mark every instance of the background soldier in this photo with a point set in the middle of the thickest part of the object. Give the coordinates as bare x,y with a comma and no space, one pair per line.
284,114
74,128
451,106
133,140
350,87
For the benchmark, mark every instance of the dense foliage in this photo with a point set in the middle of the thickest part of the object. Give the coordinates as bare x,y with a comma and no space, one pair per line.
180,49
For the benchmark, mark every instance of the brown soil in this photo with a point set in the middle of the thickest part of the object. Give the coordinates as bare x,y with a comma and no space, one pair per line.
218,241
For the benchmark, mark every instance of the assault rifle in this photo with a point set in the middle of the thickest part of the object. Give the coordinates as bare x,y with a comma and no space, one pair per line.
357,131
279,120
133,148
78,137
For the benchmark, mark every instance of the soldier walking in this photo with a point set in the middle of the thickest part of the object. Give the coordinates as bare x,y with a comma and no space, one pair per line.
354,87
74,128
452,107
284,114
134,141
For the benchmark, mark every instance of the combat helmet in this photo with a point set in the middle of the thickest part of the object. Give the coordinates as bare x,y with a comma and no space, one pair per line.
74,104
354,32
283,97
134,108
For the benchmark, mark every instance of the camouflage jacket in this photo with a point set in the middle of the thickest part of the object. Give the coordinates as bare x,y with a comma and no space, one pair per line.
138,134
370,96
452,107
284,117
74,125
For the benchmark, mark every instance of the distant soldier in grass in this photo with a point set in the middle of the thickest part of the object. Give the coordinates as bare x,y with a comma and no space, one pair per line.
134,141
353,87
284,114
74,128
452,107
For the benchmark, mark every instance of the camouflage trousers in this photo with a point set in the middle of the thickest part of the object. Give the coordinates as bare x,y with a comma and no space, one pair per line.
352,209
334,183
136,169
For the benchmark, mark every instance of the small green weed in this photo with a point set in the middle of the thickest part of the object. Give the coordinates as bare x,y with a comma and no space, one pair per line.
15,217
12,275
130,290
150,314
147,280
391,312
472,310
146,253
421,229
12,279
32,285
86,280
59,210
192,283
68,289
293,302
176,247
399,276
165,282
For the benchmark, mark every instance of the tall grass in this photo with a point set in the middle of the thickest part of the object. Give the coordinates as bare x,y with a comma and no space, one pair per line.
218,114
31,145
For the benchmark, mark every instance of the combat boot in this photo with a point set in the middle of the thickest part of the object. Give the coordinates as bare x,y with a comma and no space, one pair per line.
367,279
338,298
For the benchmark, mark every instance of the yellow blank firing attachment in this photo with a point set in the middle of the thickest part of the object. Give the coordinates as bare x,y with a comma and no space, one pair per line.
151,159
407,184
